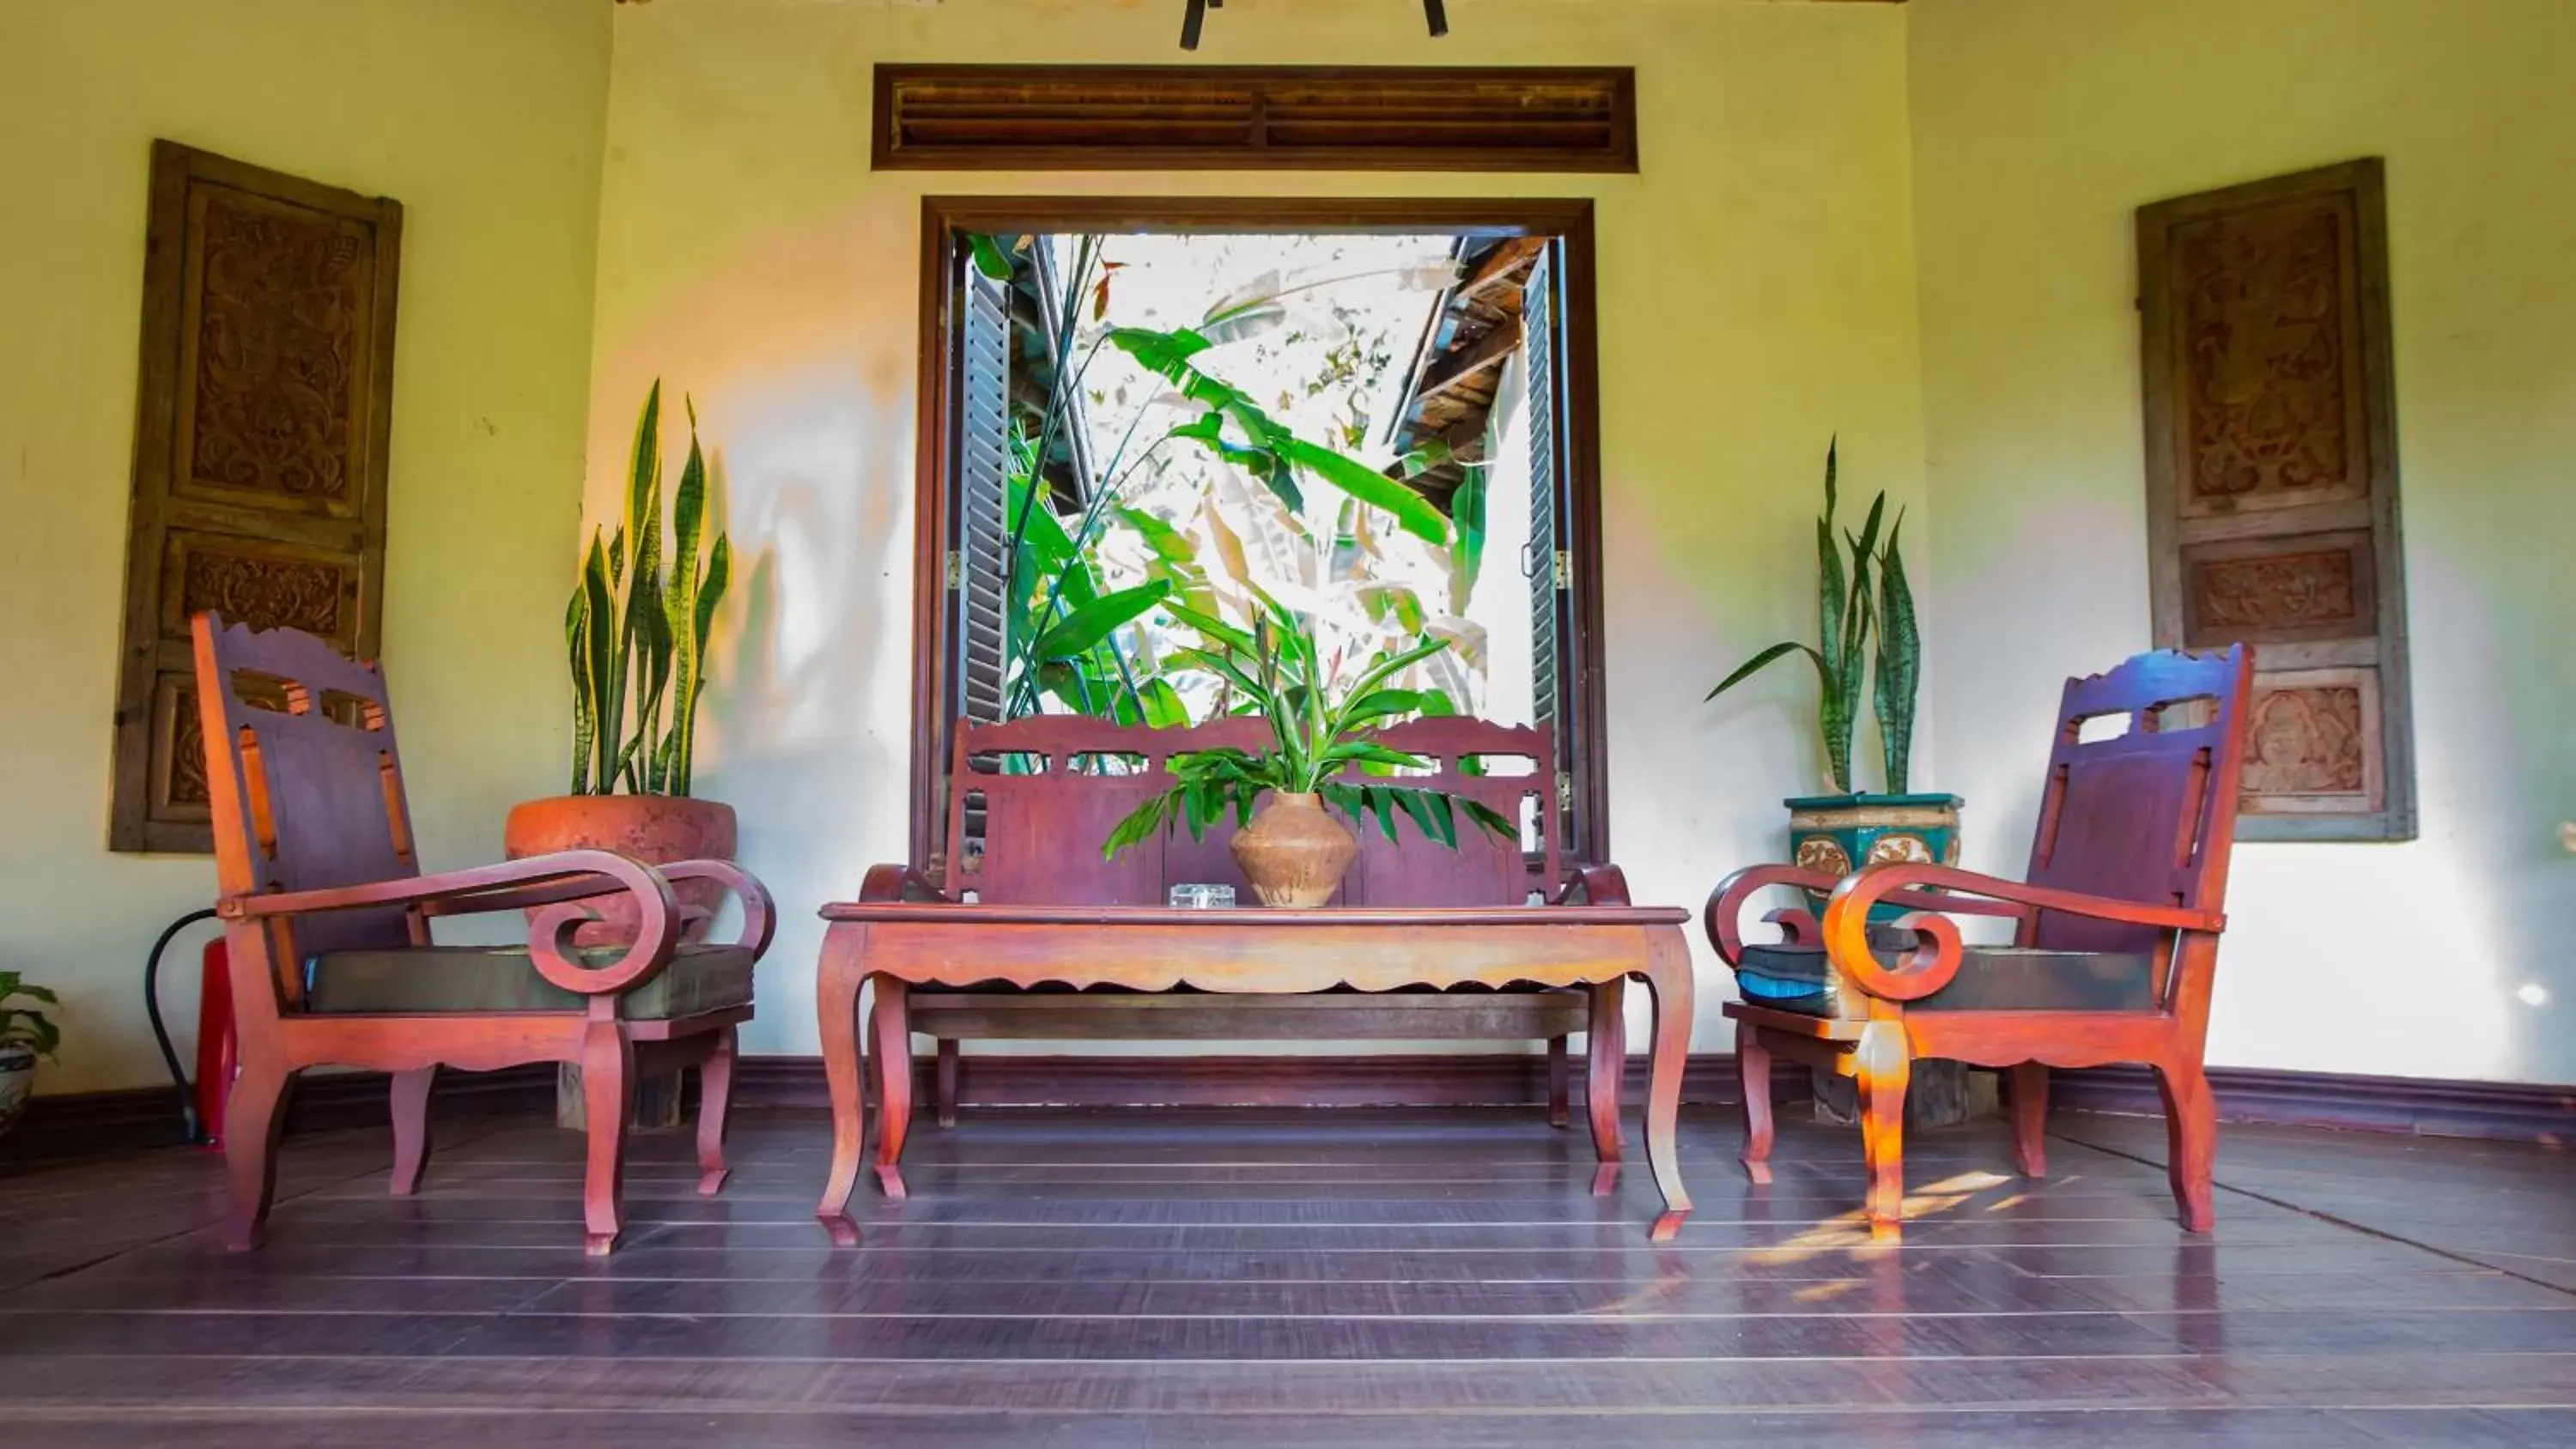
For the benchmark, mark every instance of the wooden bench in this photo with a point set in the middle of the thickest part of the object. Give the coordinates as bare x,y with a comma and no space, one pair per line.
1031,800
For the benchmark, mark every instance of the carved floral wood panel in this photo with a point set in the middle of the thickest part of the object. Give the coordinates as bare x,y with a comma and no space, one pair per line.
275,347
2272,485
262,406
2272,400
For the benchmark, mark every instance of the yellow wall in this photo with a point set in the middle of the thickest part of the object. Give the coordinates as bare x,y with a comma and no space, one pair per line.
484,118
2039,125
1757,295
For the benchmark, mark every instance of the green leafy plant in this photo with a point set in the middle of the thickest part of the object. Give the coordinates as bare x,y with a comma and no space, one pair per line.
1850,609
1320,728
24,1025
1091,648
636,631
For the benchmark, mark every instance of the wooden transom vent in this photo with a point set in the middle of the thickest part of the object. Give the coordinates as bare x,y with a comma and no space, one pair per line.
1244,118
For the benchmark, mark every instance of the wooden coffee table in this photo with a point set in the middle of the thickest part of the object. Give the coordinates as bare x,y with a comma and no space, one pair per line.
900,944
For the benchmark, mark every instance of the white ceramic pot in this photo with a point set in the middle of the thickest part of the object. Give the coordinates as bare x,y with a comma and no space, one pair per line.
17,1081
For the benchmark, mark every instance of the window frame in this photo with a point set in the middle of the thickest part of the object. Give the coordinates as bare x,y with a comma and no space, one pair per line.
946,220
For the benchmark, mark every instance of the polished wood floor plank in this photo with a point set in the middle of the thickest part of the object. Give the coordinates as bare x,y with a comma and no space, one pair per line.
1274,1277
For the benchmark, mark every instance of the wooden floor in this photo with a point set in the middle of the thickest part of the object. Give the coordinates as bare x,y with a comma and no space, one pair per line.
1247,1278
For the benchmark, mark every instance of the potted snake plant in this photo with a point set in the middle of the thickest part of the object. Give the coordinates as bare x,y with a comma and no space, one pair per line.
1864,614
25,1035
1290,848
636,634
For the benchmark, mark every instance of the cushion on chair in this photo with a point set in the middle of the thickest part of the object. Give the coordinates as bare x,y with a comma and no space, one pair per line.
502,978
1990,978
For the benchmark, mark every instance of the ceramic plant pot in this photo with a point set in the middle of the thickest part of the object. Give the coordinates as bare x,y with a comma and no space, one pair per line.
655,829
17,1080
1838,834
1294,852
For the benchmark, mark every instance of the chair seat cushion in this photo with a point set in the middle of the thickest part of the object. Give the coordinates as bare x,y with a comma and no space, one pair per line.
1991,978
502,978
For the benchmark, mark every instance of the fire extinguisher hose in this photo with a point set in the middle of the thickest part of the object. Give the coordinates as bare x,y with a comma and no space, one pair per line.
195,1129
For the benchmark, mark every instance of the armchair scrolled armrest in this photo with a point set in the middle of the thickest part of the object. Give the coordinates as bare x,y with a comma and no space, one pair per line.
759,912
891,883
553,888
1935,957
1594,885
1724,915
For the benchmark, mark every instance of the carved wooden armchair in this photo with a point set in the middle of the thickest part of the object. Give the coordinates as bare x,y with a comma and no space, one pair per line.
326,919
2115,938
1032,799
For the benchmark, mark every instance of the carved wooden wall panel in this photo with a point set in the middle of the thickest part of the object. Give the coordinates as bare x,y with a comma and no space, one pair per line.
2272,485
261,431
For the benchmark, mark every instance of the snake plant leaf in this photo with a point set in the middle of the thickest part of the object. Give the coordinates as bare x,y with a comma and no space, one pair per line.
1900,663
585,724
644,467
599,642
680,602
1095,621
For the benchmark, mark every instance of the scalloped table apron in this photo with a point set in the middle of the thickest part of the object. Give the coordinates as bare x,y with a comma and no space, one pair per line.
1247,951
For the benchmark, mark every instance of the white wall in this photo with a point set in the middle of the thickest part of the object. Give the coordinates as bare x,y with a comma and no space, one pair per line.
2039,126
484,118
1756,296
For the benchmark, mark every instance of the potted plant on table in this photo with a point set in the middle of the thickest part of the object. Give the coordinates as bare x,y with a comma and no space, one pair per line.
636,633
1863,614
25,1035
1291,850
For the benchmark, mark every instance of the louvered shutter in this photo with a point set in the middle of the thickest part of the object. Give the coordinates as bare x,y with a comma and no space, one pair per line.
982,450
1547,592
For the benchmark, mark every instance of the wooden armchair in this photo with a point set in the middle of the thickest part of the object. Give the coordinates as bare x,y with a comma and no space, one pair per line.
326,919
1032,799
2115,938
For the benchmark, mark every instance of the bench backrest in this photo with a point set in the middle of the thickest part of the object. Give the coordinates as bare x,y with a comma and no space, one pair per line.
1031,800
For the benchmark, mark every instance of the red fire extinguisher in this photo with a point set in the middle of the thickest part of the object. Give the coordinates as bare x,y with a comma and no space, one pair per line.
216,1046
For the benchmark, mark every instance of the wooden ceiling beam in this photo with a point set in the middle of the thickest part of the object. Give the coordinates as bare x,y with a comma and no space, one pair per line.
1456,368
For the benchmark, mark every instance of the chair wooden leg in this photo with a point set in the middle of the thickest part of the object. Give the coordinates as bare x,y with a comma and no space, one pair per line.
411,1128
254,1116
845,1072
1669,987
715,1103
1753,1069
1881,1066
608,1101
1560,1087
946,1082
893,1032
1605,1065
2030,1118
2191,1141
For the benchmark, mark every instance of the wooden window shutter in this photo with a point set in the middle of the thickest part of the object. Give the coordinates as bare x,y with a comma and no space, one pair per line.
1545,561
2271,433
1253,118
982,449
262,422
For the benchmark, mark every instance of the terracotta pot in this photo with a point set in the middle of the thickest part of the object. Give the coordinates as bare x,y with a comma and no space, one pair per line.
17,1081
655,829
1293,852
